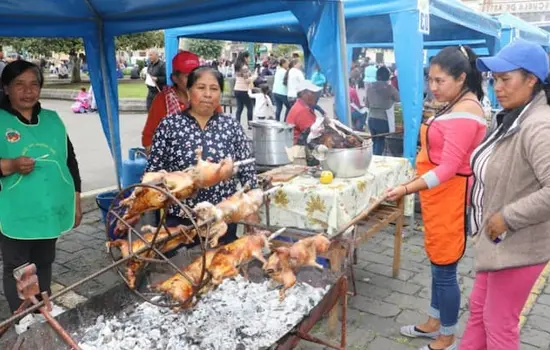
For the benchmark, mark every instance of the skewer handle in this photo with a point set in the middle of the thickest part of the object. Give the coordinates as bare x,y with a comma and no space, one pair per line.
244,162
273,189
362,215
276,234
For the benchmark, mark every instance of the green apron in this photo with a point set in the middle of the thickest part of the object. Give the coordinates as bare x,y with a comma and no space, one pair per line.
41,204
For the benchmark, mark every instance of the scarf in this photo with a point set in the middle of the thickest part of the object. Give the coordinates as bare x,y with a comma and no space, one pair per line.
172,102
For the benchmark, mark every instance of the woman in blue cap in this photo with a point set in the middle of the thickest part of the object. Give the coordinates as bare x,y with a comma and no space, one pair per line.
510,200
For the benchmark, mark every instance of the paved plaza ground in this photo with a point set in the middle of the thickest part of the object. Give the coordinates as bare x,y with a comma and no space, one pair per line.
382,305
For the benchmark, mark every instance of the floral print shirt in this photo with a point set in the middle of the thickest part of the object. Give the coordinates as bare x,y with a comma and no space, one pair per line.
179,135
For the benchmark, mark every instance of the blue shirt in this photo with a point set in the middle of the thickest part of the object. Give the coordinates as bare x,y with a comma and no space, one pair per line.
179,135
370,74
278,86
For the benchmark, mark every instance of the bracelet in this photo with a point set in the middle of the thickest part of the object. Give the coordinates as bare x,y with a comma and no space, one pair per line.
406,190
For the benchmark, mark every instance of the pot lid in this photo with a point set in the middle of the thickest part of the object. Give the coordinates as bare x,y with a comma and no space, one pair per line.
268,123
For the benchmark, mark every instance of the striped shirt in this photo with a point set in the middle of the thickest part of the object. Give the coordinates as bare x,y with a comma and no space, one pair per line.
479,160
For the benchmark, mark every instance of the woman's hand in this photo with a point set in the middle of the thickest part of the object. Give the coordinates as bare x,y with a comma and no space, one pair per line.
394,194
496,226
20,165
77,211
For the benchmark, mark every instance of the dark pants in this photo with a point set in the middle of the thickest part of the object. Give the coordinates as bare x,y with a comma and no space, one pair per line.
230,235
378,126
150,97
280,101
16,252
243,100
358,120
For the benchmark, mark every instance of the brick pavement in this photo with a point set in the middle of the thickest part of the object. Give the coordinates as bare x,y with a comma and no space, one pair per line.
382,305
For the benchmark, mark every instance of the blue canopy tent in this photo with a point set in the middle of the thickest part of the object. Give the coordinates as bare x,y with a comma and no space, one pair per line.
393,22
99,21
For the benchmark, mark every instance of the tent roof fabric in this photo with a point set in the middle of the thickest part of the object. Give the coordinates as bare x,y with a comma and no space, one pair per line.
527,31
450,20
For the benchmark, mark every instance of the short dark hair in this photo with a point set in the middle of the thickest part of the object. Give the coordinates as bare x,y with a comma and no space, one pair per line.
282,61
383,74
199,71
18,67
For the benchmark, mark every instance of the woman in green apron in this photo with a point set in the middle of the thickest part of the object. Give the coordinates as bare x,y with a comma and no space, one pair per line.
39,180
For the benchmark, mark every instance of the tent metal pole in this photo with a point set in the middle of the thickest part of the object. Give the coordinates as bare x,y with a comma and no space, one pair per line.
105,78
344,59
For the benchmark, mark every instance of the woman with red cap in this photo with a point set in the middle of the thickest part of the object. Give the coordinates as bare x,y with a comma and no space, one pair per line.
172,99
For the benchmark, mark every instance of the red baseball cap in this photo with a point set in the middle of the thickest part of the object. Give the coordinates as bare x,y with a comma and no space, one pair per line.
184,62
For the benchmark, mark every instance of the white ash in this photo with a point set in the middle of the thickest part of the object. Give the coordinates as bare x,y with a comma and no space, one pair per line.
238,315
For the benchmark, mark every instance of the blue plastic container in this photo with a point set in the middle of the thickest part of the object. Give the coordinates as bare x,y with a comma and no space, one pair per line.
103,201
320,260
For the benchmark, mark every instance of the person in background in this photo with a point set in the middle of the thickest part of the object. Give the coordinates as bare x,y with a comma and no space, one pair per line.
172,99
358,112
263,108
179,135
355,75
280,90
381,96
319,79
39,182
302,113
293,79
443,166
242,84
510,213
157,71
265,72
370,74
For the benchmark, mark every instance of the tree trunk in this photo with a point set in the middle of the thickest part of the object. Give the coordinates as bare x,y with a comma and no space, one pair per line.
75,72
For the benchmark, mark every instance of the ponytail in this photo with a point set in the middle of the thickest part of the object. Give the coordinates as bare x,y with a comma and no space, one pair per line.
458,60
290,66
540,86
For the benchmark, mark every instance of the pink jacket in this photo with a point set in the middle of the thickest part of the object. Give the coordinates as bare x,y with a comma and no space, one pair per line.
451,140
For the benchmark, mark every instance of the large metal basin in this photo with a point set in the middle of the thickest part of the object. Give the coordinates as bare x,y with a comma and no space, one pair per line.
348,162
270,139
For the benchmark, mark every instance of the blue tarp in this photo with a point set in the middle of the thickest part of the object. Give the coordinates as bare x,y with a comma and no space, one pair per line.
98,21
523,29
392,22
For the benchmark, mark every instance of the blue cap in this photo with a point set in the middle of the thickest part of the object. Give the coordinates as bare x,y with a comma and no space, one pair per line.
518,54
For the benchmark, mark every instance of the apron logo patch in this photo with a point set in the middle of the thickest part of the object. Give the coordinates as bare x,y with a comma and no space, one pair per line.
12,136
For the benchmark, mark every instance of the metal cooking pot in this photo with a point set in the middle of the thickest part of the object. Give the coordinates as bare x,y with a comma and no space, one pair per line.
348,162
269,141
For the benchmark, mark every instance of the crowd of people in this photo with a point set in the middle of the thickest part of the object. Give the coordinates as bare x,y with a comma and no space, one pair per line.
491,184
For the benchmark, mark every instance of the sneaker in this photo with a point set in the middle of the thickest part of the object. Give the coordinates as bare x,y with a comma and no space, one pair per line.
454,346
25,323
412,332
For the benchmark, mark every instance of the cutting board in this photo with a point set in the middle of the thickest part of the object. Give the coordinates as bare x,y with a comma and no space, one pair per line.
285,173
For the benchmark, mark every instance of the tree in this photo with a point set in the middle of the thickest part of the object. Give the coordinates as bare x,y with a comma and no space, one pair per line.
209,49
140,41
285,50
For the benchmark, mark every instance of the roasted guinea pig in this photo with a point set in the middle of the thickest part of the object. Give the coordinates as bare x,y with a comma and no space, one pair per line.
181,236
181,184
179,287
229,257
279,270
143,199
305,251
207,174
236,208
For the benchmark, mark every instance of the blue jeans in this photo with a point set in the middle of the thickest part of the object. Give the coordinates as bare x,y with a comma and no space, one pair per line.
445,302
358,120
280,101
378,126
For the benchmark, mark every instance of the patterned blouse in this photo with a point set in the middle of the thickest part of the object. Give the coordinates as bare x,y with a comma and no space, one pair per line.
178,136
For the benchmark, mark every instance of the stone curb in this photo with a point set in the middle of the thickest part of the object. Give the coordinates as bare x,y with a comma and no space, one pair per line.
533,296
87,199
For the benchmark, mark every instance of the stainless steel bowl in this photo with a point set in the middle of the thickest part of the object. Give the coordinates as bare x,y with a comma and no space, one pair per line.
348,162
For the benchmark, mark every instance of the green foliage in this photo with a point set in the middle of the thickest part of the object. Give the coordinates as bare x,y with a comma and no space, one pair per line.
127,71
46,46
209,49
141,64
285,50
